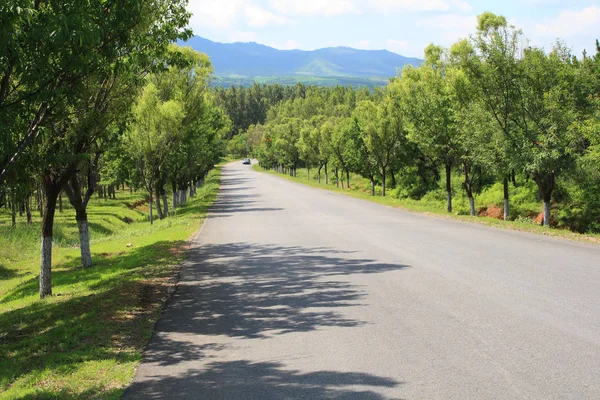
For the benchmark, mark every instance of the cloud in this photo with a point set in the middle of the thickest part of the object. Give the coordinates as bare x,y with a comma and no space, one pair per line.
450,22
287,45
363,44
461,5
326,8
259,17
453,26
396,44
387,6
570,23
214,14
243,36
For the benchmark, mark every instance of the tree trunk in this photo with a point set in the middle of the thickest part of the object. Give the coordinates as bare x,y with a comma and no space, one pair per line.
372,186
159,209
506,210
84,241
13,209
319,174
28,210
51,191
174,200
79,203
393,178
348,179
383,182
165,204
546,213
151,216
337,178
60,207
308,173
545,183
326,175
449,186
469,189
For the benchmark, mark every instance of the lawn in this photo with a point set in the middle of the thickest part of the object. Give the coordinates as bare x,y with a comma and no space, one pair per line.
360,188
87,340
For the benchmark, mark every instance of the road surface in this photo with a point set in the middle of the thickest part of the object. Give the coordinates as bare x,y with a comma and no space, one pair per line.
293,292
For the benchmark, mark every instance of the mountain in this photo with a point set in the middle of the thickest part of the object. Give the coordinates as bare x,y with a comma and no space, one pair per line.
247,62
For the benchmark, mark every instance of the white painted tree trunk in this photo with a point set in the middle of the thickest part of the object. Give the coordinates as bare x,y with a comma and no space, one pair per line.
166,204
84,244
506,209
472,206
174,203
546,213
46,267
151,216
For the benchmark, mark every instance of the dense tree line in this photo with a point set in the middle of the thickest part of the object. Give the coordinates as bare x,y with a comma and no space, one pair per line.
94,95
248,106
489,108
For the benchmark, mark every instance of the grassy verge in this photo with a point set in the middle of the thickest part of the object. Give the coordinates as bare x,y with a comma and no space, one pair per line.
86,341
360,189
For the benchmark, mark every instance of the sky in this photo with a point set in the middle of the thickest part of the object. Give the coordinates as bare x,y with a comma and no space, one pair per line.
401,26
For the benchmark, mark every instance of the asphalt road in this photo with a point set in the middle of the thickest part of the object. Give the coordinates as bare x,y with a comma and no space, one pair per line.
297,293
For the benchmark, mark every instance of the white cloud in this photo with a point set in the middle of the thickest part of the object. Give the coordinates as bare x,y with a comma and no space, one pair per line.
450,22
387,6
259,17
214,14
461,5
363,44
327,8
287,45
571,23
396,44
453,26
242,36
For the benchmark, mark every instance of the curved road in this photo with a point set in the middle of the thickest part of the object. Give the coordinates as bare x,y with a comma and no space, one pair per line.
292,292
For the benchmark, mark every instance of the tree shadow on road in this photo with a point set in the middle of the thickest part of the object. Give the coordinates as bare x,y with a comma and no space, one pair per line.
255,291
252,291
263,380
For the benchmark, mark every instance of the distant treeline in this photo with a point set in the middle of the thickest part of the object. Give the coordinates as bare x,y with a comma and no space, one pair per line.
329,81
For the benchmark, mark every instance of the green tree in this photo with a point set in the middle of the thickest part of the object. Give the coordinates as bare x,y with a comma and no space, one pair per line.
428,97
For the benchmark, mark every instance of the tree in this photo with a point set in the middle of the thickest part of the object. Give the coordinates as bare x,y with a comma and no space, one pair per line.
492,64
427,95
157,127
548,129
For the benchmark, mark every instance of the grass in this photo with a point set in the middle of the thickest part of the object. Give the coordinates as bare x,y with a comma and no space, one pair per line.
360,188
86,341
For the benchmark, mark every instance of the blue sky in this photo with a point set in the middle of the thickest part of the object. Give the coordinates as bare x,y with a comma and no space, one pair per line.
402,26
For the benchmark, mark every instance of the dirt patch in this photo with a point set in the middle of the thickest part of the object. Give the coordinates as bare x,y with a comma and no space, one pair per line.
138,203
128,220
492,211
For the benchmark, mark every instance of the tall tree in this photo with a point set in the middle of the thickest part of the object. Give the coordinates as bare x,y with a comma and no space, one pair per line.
428,98
493,66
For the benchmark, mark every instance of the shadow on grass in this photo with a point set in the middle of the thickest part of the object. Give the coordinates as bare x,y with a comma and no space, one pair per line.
109,317
6,273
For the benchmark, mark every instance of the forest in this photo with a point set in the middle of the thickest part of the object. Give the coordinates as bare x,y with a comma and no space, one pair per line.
490,123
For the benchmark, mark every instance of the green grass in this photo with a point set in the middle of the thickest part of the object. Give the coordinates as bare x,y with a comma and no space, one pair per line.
86,340
360,188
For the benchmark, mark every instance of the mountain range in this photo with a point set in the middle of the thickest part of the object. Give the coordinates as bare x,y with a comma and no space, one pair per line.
252,62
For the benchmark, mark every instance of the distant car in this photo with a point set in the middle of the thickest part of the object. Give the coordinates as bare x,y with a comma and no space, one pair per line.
246,161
